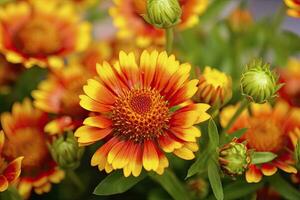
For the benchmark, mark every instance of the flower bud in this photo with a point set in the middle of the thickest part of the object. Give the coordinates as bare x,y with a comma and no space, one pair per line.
66,152
258,82
234,158
163,13
199,187
214,88
240,20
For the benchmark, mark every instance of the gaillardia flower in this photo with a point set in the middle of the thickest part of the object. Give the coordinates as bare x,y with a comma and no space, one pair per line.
58,94
128,19
39,33
294,8
290,77
24,130
214,88
240,20
269,130
141,111
9,171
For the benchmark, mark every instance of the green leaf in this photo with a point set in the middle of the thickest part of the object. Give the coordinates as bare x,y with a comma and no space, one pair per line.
10,194
262,157
199,164
215,179
243,188
213,134
116,183
171,184
228,137
283,187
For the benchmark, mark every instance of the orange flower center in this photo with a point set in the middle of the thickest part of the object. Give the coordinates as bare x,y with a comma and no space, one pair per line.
264,136
30,143
140,114
38,37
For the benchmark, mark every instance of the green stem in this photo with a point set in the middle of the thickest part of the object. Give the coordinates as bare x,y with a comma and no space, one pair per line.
75,179
244,104
169,39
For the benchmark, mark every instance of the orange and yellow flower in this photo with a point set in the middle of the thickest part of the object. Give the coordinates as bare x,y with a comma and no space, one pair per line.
24,129
9,171
214,88
141,110
293,8
128,19
240,20
59,93
290,76
39,33
269,130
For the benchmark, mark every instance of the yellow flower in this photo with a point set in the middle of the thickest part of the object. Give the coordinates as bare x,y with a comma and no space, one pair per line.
293,8
270,129
214,88
24,129
136,111
58,94
39,33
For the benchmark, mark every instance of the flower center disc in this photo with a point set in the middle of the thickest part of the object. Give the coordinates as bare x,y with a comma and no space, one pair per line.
265,136
140,114
38,37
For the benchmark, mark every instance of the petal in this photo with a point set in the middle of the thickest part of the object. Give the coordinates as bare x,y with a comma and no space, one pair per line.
186,134
184,153
184,93
163,162
129,68
98,121
92,105
100,155
87,134
98,92
13,169
148,66
150,157
169,143
121,159
253,174
136,166
184,119
2,139
115,150
285,167
3,183
268,169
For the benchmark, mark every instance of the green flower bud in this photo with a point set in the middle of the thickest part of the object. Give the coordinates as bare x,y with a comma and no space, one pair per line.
234,158
66,152
258,82
163,13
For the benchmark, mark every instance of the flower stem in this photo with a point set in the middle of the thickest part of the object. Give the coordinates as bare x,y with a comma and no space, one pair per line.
75,179
244,104
169,39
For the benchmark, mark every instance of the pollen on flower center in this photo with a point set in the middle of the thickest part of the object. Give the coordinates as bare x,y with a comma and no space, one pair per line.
140,114
265,136
38,37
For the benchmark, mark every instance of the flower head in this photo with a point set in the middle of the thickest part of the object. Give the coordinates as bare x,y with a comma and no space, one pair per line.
24,129
58,94
294,8
32,32
134,112
214,88
276,134
258,82
234,158
9,170
290,77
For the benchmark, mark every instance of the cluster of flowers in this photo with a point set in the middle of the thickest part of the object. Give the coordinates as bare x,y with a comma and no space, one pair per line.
141,104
